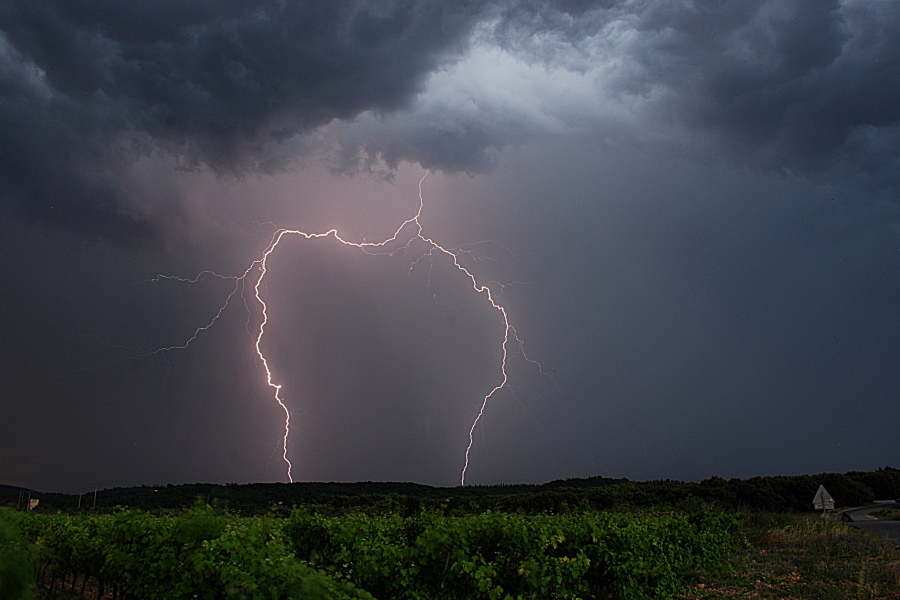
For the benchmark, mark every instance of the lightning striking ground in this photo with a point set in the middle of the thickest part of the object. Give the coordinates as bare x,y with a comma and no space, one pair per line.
253,276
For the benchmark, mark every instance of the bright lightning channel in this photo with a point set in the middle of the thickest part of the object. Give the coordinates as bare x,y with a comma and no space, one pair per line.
256,272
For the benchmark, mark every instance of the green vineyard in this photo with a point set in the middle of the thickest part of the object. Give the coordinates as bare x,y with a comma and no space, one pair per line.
202,553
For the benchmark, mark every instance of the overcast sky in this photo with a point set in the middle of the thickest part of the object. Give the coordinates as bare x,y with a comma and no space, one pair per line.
689,212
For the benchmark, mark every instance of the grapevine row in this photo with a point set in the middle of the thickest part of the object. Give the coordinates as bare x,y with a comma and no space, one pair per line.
433,556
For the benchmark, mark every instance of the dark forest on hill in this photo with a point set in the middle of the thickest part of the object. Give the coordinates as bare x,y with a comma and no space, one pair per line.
771,493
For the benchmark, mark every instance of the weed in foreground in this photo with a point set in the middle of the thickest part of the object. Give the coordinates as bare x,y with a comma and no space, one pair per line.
810,559
887,514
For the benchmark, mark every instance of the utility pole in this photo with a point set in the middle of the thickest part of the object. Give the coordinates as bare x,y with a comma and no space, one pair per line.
95,496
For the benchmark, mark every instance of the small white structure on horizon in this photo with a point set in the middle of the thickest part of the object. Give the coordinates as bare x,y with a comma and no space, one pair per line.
823,500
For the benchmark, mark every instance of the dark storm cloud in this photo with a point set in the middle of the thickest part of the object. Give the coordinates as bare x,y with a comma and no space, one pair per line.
87,87
805,86
784,84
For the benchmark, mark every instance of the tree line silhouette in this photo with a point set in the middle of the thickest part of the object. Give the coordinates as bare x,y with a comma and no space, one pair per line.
790,493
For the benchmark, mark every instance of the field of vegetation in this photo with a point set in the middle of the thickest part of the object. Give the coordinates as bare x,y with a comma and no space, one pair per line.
616,540
203,553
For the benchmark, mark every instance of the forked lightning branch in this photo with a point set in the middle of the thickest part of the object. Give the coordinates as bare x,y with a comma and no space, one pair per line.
411,231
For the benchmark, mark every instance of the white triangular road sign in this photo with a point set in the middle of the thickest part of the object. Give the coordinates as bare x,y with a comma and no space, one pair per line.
823,500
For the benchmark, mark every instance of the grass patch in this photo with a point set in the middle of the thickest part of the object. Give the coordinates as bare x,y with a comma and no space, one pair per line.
805,557
887,514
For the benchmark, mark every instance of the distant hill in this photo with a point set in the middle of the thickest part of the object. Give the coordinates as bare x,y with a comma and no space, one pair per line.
779,493
257,495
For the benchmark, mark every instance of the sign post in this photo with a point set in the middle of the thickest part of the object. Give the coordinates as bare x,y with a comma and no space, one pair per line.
823,500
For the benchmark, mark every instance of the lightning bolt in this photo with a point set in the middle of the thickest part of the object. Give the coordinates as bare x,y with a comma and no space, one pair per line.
255,273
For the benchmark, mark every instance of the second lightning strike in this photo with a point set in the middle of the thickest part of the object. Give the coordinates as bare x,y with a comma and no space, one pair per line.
256,272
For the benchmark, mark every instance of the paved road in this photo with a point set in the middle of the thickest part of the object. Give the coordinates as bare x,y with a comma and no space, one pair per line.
860,518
